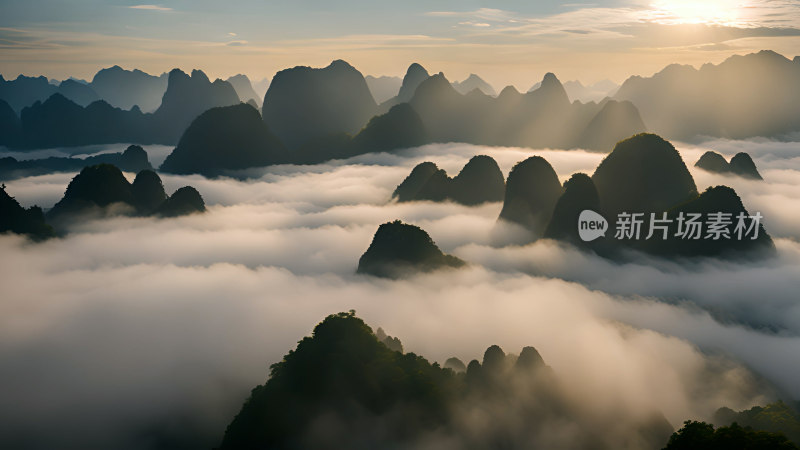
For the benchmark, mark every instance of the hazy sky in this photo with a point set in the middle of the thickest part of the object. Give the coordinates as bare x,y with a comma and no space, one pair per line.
506,42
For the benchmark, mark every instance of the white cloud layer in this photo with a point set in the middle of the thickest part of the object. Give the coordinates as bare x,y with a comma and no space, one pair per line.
139,330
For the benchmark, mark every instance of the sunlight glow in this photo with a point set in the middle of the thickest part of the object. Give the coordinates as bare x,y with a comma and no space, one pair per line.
714,12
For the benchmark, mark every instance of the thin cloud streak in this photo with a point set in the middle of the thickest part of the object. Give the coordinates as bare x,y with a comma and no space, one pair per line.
151,8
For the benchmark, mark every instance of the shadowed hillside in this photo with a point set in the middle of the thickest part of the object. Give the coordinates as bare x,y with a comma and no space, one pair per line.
342,387
643,173
303,104
225,138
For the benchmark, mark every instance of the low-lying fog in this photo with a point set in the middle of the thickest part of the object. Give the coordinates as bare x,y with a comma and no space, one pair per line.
133,331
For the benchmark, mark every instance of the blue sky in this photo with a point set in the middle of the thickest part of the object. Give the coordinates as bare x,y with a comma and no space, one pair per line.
506,42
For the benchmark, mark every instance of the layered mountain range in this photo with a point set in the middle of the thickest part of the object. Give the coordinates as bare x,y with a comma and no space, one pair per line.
317,113
742,97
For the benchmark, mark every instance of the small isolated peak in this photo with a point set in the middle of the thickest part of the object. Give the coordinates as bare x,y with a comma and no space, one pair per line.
550,79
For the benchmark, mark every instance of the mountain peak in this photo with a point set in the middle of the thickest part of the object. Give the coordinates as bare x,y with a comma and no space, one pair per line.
551,91
416,68
550,79
340,64
199,75
508,91
473,82
415,75
177,74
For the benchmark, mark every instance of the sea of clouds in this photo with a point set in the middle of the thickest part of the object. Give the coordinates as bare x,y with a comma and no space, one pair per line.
149,333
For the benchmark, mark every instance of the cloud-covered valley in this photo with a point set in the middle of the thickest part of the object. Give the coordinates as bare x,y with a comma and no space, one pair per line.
150,331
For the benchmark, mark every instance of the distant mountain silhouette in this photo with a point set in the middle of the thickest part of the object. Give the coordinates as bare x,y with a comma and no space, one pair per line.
342,387
59,121
10,126
16,219
713,162
643,173
401,127
744,96
399,249
133,159
102,189
128,88
541,118
225,138
78,92
742,164
185,200
579,194
323,114
590,93
438,104
415,75
244,89
532,191
478,182
186,98
303,104
383,88
614,120
474,82
25,91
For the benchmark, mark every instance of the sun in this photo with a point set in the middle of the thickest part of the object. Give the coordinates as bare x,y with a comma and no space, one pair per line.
714,12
